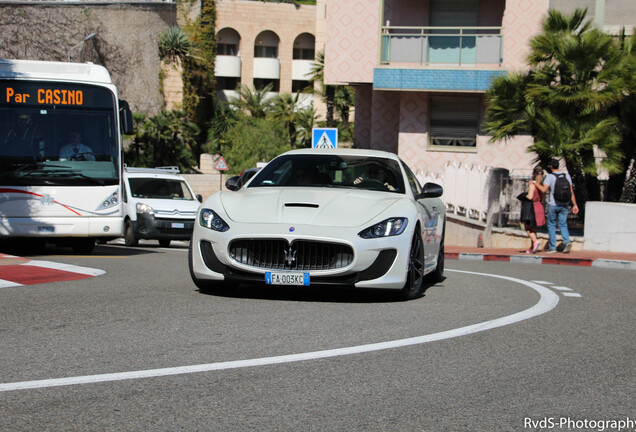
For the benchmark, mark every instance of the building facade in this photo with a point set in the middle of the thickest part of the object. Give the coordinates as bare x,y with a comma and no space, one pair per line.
421,69
260,43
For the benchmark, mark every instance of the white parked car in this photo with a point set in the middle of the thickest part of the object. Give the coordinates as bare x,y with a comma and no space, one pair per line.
323,217
158,204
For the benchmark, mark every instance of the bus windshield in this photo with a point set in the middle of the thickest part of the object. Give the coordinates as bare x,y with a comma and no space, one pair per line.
57,134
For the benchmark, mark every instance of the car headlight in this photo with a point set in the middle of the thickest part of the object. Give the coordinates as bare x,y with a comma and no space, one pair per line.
386,228
209,219
144,208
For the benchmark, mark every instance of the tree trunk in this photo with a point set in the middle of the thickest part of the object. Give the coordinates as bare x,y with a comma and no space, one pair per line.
629,191
330,95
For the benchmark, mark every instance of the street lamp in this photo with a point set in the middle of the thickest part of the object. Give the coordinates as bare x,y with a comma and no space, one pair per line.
90,36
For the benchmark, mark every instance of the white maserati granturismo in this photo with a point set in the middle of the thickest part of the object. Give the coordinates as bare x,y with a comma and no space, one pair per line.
344,217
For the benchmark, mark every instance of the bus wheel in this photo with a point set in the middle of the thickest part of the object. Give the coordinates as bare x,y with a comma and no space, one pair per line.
83,245
129,235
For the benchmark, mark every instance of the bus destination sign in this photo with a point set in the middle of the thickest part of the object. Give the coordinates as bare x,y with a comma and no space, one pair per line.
53,94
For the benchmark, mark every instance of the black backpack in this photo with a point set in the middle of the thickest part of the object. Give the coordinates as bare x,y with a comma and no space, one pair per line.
562,194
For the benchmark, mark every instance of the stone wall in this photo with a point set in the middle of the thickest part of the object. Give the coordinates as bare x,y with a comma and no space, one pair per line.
125,41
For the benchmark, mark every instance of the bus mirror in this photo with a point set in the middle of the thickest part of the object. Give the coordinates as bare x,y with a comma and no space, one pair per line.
126,118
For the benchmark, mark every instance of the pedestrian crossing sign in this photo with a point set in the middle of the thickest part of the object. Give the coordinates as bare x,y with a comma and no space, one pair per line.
324,138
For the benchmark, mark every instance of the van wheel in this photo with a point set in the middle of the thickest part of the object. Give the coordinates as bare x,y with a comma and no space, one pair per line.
129,235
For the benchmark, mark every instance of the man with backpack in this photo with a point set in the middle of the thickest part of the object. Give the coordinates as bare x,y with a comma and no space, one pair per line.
559,198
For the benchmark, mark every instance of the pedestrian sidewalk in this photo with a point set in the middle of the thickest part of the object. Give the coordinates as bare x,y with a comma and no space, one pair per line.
617,260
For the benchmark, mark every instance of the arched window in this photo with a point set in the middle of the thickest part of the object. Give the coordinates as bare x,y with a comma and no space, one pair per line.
228,42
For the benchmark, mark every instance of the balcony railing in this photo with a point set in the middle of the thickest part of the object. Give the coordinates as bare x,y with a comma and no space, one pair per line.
442,45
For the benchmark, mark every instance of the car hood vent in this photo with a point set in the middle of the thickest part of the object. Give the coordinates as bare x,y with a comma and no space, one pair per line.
308,205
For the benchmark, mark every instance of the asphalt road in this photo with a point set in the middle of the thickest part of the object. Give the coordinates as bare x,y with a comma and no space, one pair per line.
562,348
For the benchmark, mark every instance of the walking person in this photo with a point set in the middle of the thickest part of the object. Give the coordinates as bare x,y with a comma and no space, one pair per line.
533,216
561,194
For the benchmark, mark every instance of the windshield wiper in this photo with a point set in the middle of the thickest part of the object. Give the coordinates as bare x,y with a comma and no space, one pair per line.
28,167
71,173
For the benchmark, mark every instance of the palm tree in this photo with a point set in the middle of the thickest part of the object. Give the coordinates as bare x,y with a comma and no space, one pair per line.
255,101
306,120
173,45
285,108
327,92
563,100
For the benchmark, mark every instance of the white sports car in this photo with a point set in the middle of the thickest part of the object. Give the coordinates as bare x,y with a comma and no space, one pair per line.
322,217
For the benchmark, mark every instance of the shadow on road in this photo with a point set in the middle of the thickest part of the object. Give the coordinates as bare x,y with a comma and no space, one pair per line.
323,294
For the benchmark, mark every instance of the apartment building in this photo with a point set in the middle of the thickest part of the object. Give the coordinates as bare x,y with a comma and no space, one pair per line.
421,69
261,43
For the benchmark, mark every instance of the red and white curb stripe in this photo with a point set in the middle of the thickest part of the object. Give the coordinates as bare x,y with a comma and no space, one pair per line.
534,259
27,272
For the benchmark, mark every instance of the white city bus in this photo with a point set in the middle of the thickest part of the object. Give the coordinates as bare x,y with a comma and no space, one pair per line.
69,195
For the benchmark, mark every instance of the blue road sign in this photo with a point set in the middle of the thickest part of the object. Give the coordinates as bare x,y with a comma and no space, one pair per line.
324,138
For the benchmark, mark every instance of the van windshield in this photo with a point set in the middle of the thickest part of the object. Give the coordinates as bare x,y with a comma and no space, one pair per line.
158,188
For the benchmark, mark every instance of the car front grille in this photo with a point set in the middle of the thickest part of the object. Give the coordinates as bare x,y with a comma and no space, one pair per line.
278,254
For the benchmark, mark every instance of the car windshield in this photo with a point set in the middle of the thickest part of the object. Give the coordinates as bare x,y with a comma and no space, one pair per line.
159,188
347,171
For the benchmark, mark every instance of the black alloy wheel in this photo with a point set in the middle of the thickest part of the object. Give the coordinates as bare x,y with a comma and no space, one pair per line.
415,271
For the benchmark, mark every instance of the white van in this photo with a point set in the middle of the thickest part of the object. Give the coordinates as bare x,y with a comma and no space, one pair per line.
158,205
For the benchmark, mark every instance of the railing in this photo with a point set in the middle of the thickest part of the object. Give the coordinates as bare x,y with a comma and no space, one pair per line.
442,45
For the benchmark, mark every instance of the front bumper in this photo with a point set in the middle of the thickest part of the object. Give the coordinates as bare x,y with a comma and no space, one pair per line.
148,227
377,263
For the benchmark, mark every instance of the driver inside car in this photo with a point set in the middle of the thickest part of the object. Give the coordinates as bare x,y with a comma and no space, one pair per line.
376,173
75,150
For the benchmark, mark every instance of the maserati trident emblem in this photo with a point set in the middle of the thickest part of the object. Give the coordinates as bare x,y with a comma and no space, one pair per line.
290,257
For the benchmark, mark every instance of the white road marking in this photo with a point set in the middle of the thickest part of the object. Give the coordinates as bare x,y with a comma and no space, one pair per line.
561,288
543,282
548,301
65,267
571,294
8,284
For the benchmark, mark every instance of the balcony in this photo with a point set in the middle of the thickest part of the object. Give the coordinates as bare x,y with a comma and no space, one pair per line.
267,68
227,66
302,69
447,46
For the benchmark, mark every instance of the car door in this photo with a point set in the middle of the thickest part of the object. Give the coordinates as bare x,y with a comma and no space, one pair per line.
431,217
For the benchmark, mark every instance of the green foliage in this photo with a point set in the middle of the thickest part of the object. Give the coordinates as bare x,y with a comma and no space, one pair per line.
173,45
164,139
252,101
567,100
252,140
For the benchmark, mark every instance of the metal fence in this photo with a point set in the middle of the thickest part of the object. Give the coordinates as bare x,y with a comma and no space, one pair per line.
477,192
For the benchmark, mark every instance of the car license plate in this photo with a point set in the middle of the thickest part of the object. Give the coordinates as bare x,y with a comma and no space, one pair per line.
178,225
286,278
46,228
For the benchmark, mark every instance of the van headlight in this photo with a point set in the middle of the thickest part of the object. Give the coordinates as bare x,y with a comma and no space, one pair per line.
209,219
144,208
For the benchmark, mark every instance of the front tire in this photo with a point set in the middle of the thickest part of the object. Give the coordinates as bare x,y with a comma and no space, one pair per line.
415,271
129,235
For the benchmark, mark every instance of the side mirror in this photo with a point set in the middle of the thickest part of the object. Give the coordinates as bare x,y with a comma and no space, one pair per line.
233,183
431,190
125,118
200,198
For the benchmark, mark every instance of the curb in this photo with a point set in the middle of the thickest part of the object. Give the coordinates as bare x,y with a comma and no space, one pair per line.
532,259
